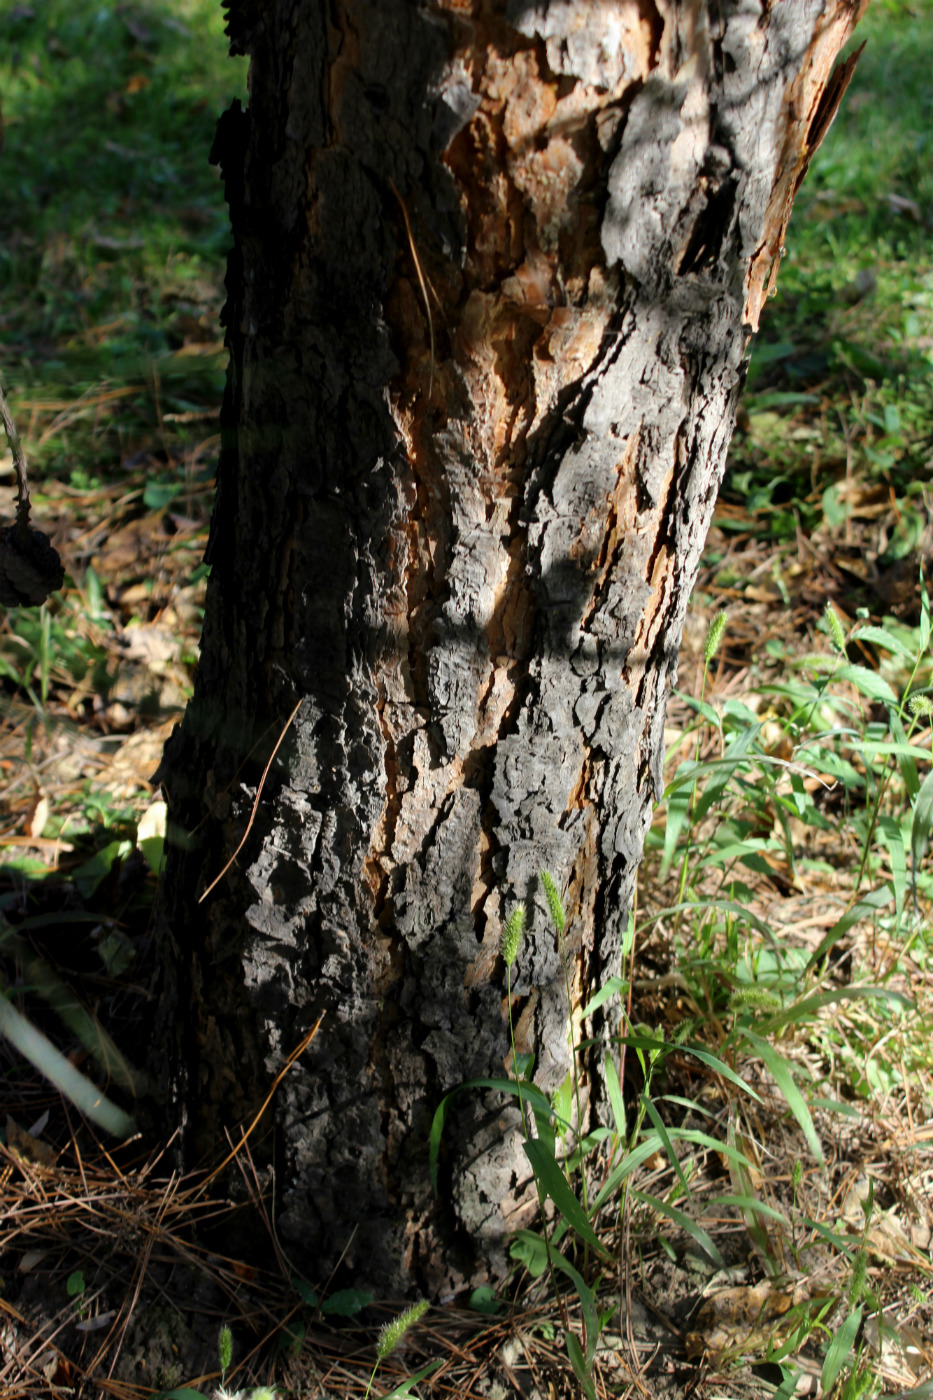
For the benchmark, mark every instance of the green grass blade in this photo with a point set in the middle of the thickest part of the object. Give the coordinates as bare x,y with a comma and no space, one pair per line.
677,815
714,1062
863,908
630,1163
848,1245
54,1067
698,1139
678,1217
578,1363
883,748
699,707
690,1105
574,1160
546,1129
587,1305
652,1046
890,834
905,755
840,1349
922,823
806,1317
554,1184
79,1021
404,1387
610,987
530,1093
751,1204
562,1105
723,906
661,1130
806,1009
616,1101
784,1078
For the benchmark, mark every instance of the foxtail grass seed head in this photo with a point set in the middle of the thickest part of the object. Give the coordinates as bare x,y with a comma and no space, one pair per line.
554,902
796,1175
859,1277
836,629
512,935
754,999
920,705
393,1332
685,1030
225,1349
713,637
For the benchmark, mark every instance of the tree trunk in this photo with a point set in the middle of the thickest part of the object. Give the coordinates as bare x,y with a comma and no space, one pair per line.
495,269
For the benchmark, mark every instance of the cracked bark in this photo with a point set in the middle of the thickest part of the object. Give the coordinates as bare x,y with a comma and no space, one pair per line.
495,269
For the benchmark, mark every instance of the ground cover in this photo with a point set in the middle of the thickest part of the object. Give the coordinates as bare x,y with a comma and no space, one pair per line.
769,1236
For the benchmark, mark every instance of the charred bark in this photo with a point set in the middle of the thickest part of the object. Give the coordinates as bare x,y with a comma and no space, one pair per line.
495,270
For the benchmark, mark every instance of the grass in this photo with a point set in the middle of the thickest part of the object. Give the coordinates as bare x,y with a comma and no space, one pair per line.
838,404
768,1151
825,794
113,237
782,1041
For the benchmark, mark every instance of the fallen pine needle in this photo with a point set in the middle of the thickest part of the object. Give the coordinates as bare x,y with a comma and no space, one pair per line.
252,816
299,1050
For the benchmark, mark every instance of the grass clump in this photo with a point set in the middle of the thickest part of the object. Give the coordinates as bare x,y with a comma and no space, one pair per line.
771,1049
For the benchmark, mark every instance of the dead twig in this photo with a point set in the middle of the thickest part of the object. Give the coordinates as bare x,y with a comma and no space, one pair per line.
275,1084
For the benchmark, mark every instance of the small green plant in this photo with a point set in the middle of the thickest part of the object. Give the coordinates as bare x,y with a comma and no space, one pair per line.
225,1360
75,1287
840,757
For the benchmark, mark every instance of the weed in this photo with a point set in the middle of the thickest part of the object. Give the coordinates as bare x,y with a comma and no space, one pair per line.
389,1338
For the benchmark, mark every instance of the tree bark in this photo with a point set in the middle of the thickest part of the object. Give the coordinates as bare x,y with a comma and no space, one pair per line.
495,269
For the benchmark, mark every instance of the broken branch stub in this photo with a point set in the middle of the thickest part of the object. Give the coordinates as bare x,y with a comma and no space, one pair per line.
30,567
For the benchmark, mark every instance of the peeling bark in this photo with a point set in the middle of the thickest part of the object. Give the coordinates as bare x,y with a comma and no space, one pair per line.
495,269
